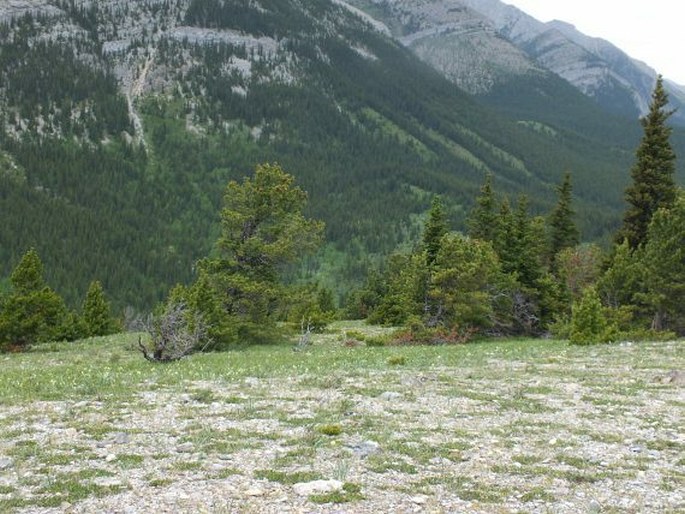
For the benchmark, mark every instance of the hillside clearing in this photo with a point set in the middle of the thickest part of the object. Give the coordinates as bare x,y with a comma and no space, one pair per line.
510,426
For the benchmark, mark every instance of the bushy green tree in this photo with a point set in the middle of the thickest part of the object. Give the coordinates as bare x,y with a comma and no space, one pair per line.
32,312
263,229
588,323
520,242
96,312
623,278
532,294
461,285
564,233
436,227
483,219
653,185
663,262
406,277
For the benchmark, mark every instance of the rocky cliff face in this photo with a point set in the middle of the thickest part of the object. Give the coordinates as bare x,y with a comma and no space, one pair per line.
460,42
482,43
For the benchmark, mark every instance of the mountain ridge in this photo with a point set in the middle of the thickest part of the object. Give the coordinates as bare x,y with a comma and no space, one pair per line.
498,41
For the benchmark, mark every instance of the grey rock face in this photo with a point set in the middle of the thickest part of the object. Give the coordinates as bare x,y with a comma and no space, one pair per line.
595,66
481,43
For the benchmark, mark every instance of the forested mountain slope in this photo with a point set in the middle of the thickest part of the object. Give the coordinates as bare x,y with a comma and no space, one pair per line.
122,121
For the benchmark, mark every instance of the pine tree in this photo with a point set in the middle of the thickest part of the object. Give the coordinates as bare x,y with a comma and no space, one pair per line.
619,283
28,275
436,228
263,230
653,185
505,241
32,312
530,244
404,295
663,262
588,323
483,219
96,312
460,287
564,233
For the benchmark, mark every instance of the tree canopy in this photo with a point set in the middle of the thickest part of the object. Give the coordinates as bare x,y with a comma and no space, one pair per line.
263,229
653,185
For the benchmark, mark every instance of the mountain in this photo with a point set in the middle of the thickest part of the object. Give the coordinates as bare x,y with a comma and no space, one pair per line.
483,45
122,121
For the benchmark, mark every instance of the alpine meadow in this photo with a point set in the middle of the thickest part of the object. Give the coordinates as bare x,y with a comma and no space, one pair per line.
336,256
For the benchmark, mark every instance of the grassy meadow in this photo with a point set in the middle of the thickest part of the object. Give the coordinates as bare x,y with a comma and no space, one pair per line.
491,426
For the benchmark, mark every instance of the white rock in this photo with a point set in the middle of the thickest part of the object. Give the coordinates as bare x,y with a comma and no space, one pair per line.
185,447
317,487
107,482
420,499
365,448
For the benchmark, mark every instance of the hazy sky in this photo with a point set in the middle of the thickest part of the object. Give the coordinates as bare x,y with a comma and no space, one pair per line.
652,31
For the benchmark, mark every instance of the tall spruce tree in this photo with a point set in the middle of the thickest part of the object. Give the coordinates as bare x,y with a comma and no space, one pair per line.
653,185
436,228
564,233
483,220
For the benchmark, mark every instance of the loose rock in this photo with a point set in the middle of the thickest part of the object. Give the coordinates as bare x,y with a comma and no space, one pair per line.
185,448
317,487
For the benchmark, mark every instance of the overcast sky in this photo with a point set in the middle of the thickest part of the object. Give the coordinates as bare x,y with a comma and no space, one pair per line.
652,31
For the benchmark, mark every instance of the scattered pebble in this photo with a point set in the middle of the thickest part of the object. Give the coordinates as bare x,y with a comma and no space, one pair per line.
317,487
254,492
185,447
365,448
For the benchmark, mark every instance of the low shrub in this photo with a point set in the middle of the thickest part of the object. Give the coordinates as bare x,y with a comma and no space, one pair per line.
432,336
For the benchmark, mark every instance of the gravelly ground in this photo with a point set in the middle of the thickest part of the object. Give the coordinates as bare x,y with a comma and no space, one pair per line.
593,431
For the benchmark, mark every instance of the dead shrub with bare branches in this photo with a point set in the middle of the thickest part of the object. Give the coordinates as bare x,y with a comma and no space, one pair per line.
173,334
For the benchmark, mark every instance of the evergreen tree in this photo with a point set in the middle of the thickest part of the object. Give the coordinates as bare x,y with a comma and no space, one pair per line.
564,233
506,242
663,261
28,275
436,227
588,323
619,283
483,220
520,242
653,185
406,278
96,312
263,230
460,288
32,312
529,244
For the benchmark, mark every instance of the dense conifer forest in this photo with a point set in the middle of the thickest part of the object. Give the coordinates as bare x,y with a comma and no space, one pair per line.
367,130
